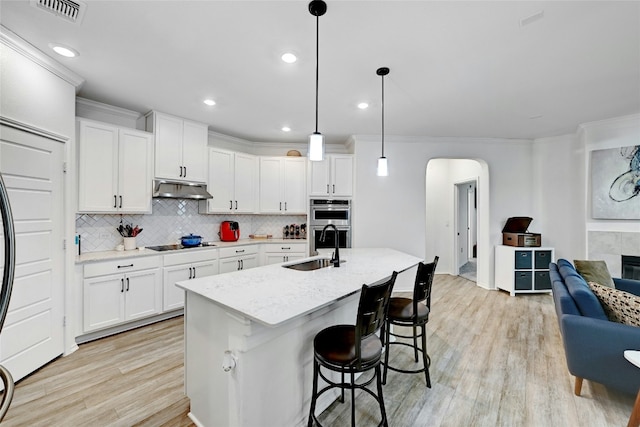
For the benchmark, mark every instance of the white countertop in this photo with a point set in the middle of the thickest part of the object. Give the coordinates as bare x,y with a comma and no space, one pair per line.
108,255
272,294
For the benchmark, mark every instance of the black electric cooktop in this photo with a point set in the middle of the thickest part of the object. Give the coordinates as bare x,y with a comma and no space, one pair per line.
176,247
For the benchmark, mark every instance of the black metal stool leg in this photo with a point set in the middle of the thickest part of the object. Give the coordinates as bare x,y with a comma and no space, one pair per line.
415,344
312,409
425,356
386,351
353,400
380,398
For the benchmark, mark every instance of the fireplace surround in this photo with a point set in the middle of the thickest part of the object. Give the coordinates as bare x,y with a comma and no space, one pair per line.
631,267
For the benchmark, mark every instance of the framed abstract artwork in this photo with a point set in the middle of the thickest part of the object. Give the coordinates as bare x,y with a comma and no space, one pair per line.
615,183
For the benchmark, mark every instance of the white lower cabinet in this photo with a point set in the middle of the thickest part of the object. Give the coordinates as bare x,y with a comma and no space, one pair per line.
121,291
238,258
185,266
274,253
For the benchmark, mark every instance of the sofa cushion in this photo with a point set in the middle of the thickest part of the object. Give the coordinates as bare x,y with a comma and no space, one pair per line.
620,306
594,271
582,295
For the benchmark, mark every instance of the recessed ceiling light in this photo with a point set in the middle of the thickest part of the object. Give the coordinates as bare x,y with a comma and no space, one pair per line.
289,58
286,129
363,105
209,102
64,50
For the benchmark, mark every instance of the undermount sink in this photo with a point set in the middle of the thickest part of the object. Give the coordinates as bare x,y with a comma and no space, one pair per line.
314,264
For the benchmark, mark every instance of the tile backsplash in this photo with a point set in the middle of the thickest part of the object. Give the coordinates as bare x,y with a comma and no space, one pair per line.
170,220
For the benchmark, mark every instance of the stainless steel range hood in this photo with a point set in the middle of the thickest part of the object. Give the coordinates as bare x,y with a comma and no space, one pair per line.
165,189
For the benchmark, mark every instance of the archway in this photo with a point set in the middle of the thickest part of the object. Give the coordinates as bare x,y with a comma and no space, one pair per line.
441,213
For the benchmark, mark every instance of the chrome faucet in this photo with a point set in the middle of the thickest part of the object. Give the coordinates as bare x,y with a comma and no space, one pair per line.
335,258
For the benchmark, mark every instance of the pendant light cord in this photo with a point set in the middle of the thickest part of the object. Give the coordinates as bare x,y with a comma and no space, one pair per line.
317,64
382,115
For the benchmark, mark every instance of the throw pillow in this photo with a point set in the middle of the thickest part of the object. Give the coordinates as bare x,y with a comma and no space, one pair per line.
620,306
595,271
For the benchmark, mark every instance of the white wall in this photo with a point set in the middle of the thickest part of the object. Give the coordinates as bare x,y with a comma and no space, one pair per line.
562,191
559,194
391,211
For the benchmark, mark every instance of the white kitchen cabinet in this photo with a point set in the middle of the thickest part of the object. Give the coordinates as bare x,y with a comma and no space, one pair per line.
114,168
283,187
187,265
523,269
332,177
238,258
274,253
121,291
232,180
180,147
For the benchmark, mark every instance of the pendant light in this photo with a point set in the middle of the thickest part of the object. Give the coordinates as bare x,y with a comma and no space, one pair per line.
383,169
316,140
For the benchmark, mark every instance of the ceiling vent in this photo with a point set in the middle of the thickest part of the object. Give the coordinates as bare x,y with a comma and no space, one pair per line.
72,11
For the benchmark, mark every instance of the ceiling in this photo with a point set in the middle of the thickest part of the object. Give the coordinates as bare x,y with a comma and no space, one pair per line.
458,69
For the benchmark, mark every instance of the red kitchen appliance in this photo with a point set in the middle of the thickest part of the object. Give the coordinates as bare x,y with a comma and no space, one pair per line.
229,231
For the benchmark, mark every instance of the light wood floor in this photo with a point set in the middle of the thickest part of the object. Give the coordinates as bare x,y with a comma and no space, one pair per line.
496,361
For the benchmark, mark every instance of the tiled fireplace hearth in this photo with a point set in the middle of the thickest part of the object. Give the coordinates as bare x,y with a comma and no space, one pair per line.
611,245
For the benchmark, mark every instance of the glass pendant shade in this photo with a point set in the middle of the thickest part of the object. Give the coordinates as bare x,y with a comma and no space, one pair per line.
316,147
383,167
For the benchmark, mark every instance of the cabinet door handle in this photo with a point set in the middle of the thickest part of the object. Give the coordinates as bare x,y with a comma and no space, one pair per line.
236,204
127,284
230,204
126,266
284,249
115,201
120,201
334,189
285,206
180,171
327,188
121,285
241,264
194,272
238,264
190,274
185,172
280,205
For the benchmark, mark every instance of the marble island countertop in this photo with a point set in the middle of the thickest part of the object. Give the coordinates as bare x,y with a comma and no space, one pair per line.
272,294
108,255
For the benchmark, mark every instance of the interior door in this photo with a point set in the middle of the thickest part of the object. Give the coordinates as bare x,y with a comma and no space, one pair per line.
32,168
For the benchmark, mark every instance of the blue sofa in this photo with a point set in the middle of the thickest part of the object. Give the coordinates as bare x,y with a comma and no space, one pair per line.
593,345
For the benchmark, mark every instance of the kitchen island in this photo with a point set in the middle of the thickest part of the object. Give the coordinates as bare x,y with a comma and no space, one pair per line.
249,335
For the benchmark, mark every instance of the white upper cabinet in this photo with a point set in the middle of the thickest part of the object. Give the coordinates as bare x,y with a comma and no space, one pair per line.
114,169
283,187
232,182
332,177
180,147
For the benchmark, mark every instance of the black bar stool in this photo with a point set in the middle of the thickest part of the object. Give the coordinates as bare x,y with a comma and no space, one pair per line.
350,349
413,312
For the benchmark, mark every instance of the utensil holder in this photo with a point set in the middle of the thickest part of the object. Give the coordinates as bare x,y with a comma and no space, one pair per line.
129,243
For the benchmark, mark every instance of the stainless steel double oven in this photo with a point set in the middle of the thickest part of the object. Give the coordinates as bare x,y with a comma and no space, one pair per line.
328,211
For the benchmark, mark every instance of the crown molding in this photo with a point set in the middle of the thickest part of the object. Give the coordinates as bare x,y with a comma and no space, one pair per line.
438,139
615,122
108,109
24,48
